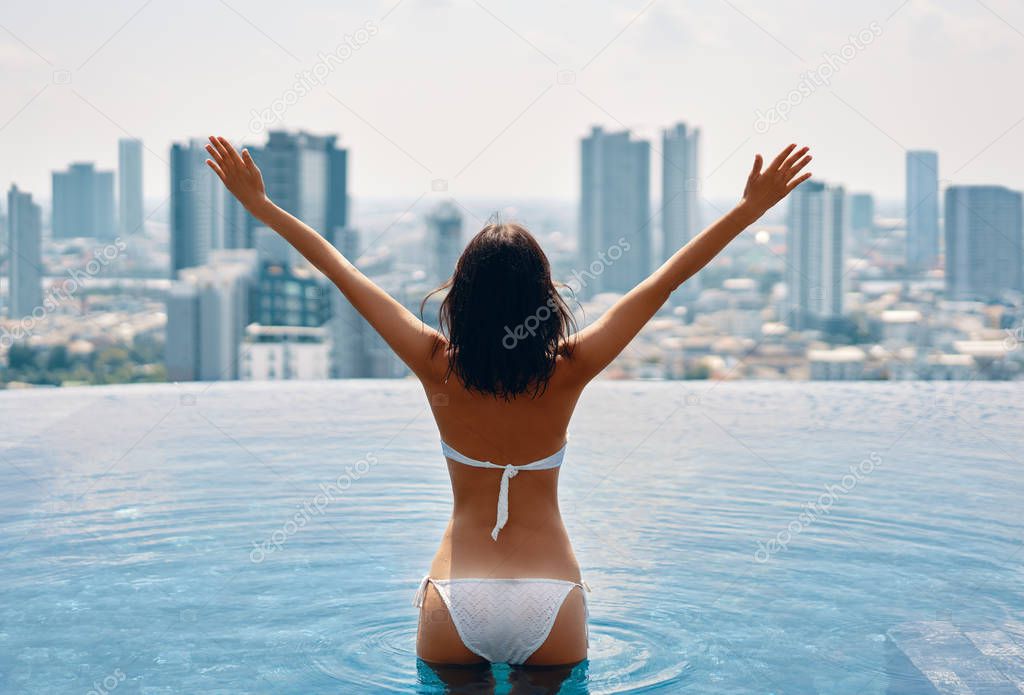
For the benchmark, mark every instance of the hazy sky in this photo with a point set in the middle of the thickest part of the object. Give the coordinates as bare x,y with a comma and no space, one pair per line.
468,91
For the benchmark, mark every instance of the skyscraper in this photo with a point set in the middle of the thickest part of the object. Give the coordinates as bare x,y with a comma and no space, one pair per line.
680,187
615,208
922,205
181,348
983,242
818,219
83,202
197,207
129,186
444,240
25,274
290,296
349,330
862,213
207,311
307,175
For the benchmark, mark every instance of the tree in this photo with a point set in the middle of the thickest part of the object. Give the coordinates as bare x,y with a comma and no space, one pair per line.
21,357
58,359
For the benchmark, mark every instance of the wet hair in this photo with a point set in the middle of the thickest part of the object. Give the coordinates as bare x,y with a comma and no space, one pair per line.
503,316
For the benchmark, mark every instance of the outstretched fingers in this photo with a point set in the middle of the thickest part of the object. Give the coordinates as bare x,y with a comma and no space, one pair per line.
756,170
780,158
216,169
217,150
796,182
248,161
215,157
794,169
794,158
232,153
225,158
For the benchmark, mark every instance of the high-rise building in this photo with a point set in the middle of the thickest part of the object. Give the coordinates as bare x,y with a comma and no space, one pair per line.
983,242
615,209
307,175
349,330
129,186
444,240
922,205
25,263
83,202
815,279
680,187
181,347
197,207
208,309
290,296
862,213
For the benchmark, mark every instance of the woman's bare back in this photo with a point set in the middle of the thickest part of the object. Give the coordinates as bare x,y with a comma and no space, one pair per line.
519,409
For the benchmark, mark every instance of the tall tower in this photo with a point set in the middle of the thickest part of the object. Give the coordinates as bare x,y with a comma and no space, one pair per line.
307,175
983,242
818,220
922,210
129,186
24,232
83,202
349,330
862,213
615,209
197,207
444,236
208,307
680,187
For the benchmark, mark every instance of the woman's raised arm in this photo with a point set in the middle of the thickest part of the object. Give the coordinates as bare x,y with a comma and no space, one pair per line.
599,343
411,339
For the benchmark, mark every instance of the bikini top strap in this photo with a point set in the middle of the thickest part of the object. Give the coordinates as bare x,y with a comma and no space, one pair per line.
508,472
452,453
552,461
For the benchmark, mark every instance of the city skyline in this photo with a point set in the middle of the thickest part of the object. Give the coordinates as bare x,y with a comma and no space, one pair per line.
236,305
612,70
838,283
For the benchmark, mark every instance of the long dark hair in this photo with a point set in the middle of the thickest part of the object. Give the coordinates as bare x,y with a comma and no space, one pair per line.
505,321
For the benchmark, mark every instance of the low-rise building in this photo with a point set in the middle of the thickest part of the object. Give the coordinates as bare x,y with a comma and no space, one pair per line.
273,353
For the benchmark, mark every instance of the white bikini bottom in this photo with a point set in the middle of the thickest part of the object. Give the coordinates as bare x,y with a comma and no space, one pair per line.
503,620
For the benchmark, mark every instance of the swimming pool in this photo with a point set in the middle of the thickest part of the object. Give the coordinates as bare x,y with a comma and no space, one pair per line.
739,537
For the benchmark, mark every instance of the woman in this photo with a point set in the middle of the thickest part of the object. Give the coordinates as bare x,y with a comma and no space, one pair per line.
502,378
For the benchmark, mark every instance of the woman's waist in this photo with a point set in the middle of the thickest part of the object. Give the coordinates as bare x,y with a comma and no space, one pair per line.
540,548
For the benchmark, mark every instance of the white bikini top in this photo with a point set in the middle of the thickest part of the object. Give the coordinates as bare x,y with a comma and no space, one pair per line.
508,472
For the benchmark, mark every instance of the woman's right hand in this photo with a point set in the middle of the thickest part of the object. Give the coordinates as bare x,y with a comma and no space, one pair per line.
239,174
766,188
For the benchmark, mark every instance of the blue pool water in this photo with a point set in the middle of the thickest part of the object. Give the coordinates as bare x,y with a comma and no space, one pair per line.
168,539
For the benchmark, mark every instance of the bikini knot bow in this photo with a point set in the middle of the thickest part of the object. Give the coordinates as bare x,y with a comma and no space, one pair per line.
507,474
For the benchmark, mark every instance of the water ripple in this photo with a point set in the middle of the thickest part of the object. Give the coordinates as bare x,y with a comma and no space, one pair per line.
132,547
